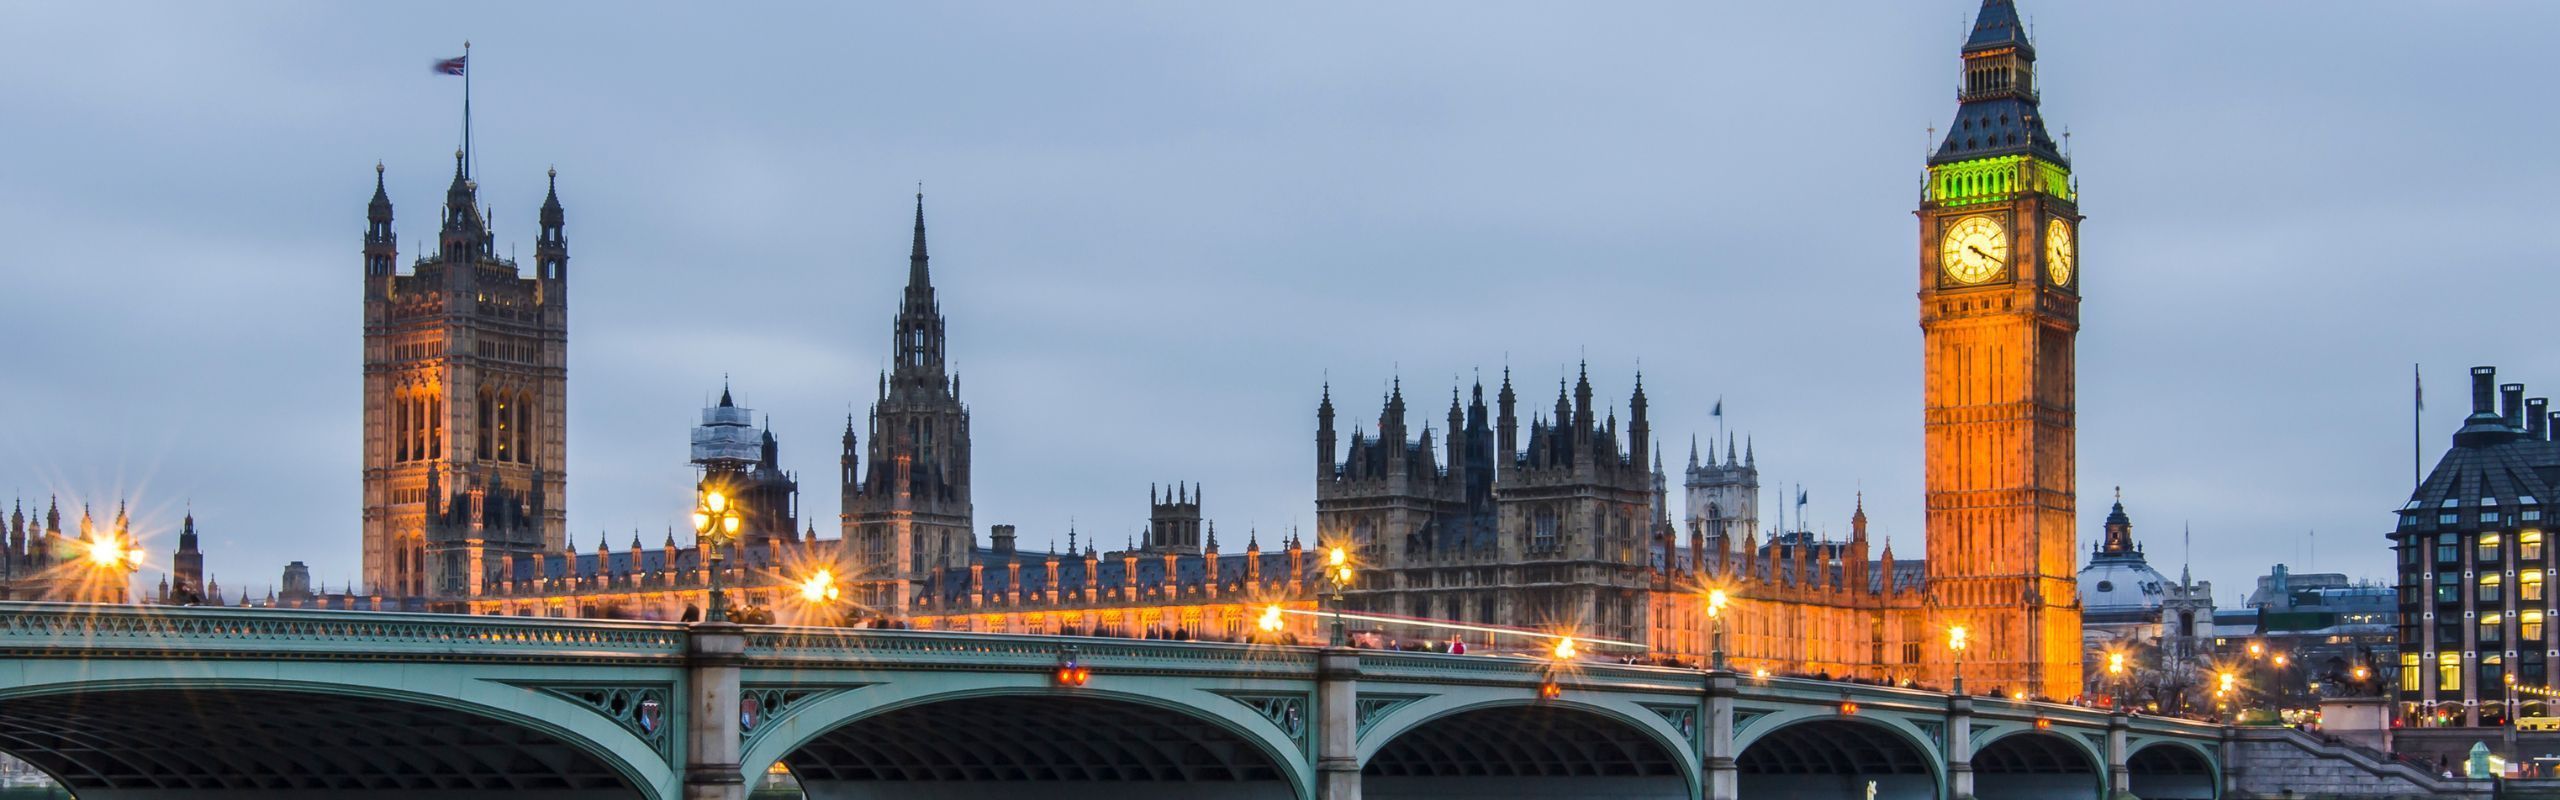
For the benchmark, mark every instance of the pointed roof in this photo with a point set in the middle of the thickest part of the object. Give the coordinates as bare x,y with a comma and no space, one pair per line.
380,207
1999,118
551,213
918,276
1997,25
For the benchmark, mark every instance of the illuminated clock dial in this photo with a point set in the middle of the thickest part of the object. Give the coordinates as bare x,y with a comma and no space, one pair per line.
2060,255
1975,249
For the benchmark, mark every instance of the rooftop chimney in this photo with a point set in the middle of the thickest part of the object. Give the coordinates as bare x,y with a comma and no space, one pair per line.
2537,412
2484,390
2511,404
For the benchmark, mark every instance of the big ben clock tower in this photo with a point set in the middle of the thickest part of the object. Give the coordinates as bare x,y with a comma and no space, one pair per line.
1999,309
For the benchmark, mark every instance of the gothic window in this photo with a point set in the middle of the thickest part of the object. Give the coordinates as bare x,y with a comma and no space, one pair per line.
1542,529
435,427
524,430
488,418
400,429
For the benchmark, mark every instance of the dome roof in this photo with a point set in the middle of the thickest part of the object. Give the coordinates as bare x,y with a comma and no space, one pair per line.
2114,583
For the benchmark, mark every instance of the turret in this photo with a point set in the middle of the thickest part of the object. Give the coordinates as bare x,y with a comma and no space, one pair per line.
1507,423
1325,453
1639,433
188,564
551,246
1583,421
381,245
466,233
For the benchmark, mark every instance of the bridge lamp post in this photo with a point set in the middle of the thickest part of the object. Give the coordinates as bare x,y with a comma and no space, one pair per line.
1715,617
2227,690
715,524
1338,571
1955,644
2115,676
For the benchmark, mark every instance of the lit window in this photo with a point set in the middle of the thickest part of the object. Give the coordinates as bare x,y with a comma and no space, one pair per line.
2491,630
2490,590
2529,625
2409,672
2529,586
2529,545
2448,519
2488,547
2488,516
2448,671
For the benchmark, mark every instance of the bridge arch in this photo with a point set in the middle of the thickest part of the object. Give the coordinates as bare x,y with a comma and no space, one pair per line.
956,741
1458,746
1824,754
2023,763
339,735
2172,769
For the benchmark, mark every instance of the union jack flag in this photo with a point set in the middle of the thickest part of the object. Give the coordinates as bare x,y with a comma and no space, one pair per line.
453,66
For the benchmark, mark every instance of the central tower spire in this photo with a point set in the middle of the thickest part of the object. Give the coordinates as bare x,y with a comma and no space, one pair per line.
919,323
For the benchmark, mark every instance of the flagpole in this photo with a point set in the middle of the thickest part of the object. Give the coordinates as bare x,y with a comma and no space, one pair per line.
466,108
2417,422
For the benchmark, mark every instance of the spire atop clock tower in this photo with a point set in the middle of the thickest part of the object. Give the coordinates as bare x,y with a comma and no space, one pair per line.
1997,114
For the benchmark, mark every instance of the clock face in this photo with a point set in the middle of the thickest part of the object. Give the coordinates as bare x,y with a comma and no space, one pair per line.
2060,255
1973,250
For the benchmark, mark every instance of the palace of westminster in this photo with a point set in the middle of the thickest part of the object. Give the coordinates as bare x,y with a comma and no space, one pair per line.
1560,521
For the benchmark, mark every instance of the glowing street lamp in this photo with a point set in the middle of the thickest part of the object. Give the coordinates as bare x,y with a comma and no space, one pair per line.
715,524
820,587
107,553
1715,616
1955,644
1338,570
1270,622
1565,650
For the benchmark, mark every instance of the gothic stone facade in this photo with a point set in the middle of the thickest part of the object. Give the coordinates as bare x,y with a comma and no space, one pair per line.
465,398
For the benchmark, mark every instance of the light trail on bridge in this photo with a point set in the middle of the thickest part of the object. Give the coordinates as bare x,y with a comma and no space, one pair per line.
1460,626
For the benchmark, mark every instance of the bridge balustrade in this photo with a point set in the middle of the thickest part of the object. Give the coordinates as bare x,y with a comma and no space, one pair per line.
147,702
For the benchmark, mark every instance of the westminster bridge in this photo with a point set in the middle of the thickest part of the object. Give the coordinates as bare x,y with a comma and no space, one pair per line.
147,702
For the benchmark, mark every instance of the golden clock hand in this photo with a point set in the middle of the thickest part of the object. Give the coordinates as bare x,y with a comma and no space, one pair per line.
1977,249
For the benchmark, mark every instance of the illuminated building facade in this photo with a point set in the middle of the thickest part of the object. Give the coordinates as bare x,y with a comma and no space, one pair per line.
2475,647
465,398
1999,281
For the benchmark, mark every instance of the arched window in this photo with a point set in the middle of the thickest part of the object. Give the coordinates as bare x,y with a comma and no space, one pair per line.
400,428
1542,529
524,430
488,425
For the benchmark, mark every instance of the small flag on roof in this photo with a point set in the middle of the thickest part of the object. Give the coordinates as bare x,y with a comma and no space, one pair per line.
453,66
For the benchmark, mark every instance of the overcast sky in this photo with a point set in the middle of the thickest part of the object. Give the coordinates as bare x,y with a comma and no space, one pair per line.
1157,228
